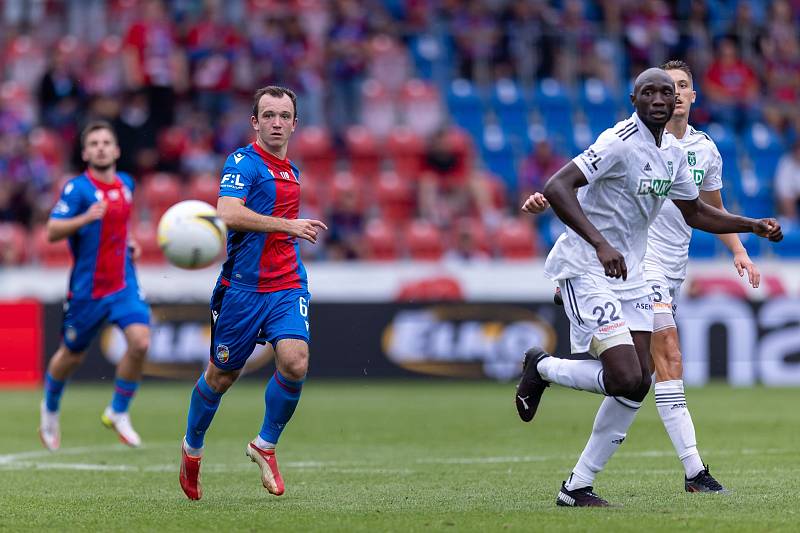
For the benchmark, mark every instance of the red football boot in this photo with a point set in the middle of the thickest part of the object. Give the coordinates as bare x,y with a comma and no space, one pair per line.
190,475
268,463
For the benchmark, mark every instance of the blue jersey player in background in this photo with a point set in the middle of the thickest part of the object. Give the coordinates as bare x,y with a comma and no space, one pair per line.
262,291
93,214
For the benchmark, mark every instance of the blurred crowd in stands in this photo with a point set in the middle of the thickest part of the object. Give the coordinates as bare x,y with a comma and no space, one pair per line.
422,123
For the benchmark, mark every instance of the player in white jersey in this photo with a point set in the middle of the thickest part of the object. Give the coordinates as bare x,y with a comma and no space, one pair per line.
665,269
624,178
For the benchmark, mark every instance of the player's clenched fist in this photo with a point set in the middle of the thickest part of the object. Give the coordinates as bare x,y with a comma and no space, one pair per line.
96,211
535,204
768,228
613,262
305,228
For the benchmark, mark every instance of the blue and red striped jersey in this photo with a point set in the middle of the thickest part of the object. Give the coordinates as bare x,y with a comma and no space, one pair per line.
263,262
100,248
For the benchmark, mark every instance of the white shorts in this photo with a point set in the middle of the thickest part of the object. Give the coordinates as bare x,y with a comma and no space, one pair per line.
665,292
596,309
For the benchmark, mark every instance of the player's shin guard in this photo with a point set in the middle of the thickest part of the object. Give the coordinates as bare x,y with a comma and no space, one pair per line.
124,391
53,389
202,408
611,425
671,405
281,398
584,375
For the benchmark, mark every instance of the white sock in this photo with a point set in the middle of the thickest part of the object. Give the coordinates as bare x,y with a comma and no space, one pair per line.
671,405
264,445
611,425
581,375
193,452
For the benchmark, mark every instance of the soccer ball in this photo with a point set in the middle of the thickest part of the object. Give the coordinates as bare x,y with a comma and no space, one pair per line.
190,234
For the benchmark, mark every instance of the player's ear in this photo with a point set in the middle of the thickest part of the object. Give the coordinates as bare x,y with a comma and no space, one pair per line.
694,96
254,122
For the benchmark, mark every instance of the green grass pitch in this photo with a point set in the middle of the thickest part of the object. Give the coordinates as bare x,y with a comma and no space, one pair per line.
388,456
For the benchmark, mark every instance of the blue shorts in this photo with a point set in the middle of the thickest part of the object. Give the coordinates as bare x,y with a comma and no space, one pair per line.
83,318
240,318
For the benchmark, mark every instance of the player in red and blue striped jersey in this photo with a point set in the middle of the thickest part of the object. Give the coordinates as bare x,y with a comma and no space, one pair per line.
262,291
93,214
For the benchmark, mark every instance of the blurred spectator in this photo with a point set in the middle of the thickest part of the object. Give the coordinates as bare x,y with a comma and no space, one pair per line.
650,32
60,94
346,62
137,133
449,186
154,60
477,37
211,47
468,243
542,163
345,225
787,184
731,87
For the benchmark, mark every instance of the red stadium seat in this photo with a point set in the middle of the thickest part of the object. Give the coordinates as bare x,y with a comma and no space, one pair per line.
345,183
395,197
51,254
362,147
13,243
204,187
49,145
424,241
405,150
380,241
496,189
159,192
461,144
515,239
145,235
422,107
378,108
313,146
441,289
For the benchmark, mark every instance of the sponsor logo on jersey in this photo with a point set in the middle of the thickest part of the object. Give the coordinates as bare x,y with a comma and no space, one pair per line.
237,158
232,180
654,186
697,175
223,354
691,158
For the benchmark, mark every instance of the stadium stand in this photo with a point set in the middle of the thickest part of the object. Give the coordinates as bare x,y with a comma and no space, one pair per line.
499,87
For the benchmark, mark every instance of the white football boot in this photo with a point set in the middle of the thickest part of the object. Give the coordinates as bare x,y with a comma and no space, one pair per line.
121,423
49,428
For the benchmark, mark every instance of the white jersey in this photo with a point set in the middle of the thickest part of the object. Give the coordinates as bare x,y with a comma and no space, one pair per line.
629,179
668,243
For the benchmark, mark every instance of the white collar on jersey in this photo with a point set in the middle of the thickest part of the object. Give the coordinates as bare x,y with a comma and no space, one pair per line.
666,138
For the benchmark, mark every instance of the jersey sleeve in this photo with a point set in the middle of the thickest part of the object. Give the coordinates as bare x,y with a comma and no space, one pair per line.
603,159
236,177
71,202
712,181
683,187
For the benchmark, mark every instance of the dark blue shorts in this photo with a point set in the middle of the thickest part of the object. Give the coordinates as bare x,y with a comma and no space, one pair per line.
83,318
242,317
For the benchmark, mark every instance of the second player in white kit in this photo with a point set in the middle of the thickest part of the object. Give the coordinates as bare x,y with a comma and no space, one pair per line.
623,178
665,266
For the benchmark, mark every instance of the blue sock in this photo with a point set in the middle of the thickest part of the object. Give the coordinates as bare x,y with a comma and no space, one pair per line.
53,389
281,398
123,394
201,411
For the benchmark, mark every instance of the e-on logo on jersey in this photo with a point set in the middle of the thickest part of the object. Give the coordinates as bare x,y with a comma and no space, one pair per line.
656,187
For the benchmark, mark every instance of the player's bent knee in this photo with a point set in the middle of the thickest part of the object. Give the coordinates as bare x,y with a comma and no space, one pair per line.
624,383
220,380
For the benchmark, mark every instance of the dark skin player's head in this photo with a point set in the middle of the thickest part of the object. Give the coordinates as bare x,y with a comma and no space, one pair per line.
654,100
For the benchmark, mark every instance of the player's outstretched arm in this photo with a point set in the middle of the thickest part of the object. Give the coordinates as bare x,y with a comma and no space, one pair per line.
702,216
741,259
535,204
237,217
61,228
559,191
